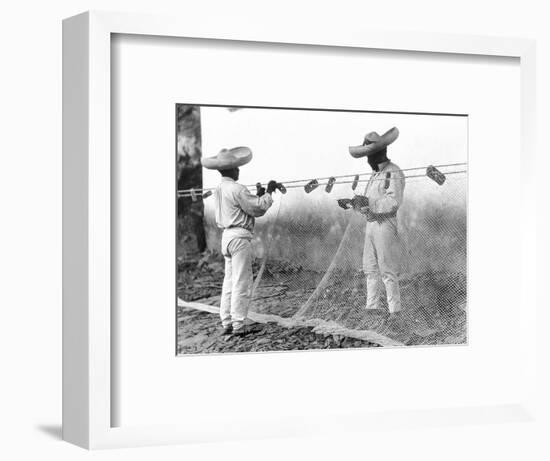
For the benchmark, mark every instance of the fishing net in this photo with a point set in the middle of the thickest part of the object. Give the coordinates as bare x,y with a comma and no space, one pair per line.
309,259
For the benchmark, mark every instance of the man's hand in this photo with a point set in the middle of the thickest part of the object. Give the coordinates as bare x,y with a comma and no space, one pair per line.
345,203
365,210
259,189
359,201
271,186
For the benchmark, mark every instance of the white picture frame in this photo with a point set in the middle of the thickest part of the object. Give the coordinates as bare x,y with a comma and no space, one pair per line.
87,361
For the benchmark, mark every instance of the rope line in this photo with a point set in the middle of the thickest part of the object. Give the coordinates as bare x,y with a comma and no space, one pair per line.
294,181
369,173
293,185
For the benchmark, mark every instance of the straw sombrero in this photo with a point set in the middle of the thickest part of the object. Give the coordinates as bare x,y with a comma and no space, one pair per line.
228,158
374,143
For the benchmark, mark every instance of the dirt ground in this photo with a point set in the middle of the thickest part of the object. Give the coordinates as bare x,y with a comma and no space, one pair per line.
435,309
200,333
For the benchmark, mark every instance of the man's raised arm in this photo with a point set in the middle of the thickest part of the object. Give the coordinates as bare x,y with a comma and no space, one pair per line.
252,204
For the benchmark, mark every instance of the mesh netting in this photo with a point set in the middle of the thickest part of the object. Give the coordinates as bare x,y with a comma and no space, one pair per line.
314,262
309,260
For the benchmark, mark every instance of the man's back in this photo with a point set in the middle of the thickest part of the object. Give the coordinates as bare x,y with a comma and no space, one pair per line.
237,207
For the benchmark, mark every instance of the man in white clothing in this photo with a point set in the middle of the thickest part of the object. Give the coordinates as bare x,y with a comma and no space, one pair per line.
236,208
382,253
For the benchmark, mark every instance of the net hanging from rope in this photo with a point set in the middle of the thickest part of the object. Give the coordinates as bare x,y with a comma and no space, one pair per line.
311,261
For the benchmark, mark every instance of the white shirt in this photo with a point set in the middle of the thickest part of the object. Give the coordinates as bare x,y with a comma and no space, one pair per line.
385,189
236,207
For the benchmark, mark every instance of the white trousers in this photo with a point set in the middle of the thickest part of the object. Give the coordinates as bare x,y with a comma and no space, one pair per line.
382,256
237,283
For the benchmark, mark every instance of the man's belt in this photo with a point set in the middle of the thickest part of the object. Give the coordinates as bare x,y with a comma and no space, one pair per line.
379,217
236,228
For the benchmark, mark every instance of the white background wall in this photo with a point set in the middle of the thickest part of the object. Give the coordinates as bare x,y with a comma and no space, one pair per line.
30,235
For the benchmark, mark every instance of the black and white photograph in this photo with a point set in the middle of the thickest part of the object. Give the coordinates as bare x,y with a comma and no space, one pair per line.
308,229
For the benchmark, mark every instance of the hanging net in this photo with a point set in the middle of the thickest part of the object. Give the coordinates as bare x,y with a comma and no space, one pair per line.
309,255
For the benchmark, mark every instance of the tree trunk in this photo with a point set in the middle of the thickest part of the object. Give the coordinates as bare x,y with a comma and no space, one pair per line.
191,234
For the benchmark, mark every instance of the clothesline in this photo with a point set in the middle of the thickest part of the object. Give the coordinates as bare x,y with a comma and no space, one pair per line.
294,181
364,174
290,183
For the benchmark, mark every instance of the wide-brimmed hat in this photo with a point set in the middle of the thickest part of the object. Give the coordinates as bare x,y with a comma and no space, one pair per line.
374,143
228,158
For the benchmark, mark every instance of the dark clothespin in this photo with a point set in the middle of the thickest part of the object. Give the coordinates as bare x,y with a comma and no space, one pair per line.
355,182
433,173
206,194
387,181
260,190
311,185
330,184
281,187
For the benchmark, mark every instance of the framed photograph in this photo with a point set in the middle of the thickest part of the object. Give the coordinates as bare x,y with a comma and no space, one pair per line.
296,218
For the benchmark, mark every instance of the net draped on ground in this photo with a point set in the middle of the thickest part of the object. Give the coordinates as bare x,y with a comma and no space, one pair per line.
312,260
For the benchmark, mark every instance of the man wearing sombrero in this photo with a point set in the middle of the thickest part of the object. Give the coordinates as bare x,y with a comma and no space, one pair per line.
235,211
384,193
